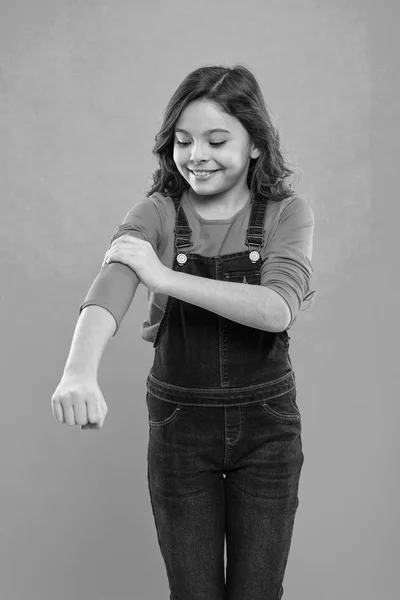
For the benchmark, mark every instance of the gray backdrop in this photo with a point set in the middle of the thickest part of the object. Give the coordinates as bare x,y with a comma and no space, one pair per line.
82,89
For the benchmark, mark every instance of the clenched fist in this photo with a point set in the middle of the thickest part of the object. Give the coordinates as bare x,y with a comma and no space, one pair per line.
78,401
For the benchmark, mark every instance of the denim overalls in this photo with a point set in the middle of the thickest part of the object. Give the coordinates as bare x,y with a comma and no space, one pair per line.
221,400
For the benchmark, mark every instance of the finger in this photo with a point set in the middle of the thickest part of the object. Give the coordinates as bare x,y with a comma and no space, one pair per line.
80,413
58,411
97,425
93,412
69,418
110,254
128,239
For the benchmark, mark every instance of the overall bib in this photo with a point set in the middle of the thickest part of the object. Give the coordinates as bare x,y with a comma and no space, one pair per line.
225,449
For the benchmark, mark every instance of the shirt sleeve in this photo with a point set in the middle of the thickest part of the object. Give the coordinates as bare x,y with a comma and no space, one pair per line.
287,267
116,283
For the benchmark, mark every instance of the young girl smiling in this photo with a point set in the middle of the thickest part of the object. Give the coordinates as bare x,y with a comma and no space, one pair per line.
224,249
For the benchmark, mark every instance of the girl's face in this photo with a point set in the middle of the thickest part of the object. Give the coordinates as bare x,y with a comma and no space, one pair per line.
212,150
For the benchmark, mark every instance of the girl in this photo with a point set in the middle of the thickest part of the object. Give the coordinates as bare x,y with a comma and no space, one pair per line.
224,248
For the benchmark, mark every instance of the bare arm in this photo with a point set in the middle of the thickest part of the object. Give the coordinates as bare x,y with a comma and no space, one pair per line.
78,399
94,328
115,286
252,305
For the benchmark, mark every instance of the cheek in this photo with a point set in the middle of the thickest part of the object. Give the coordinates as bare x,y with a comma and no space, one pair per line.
229,158
178,156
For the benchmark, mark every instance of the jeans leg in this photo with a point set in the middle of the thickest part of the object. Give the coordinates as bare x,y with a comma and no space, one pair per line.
261,500
187,499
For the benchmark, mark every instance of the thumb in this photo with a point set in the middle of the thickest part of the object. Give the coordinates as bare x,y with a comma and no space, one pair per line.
91,426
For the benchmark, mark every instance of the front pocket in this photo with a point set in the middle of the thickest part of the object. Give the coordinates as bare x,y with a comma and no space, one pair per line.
243,276
161,412
283,407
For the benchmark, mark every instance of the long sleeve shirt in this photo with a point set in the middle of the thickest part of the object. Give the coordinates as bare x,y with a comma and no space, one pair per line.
286,253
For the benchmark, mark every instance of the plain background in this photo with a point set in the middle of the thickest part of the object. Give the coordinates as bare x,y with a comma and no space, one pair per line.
82,89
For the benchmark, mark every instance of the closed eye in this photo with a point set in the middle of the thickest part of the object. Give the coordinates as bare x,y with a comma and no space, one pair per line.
211,143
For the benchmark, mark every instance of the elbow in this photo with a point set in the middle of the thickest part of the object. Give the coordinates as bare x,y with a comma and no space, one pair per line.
277,312
285,317
277,322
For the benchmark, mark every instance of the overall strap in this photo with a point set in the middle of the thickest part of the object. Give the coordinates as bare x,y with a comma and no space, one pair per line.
182,231
254,234
255,230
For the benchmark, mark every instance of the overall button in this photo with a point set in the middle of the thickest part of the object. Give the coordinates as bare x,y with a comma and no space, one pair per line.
254,256
181,258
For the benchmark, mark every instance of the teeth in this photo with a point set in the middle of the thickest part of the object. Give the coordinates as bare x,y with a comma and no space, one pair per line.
202,172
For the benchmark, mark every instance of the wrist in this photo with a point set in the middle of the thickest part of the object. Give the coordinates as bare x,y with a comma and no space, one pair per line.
164,284
81,372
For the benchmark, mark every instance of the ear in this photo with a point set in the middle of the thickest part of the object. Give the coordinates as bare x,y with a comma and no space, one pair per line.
254,152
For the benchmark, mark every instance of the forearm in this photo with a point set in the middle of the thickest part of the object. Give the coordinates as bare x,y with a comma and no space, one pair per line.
94,328
251,305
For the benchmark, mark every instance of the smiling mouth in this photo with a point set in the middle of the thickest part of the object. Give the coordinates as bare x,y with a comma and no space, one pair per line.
203,173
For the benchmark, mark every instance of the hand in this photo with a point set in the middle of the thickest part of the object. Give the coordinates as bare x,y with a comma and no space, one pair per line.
78,401
139,255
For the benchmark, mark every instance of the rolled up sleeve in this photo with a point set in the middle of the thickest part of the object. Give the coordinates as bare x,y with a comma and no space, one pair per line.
116,283
287,267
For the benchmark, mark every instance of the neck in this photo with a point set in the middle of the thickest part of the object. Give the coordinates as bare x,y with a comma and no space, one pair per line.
224,202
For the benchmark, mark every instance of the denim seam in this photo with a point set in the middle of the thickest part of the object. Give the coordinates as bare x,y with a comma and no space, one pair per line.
287,417
165,421
218,405
223,391
232,443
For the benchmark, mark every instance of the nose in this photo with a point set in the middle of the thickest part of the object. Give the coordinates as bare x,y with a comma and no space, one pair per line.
197,154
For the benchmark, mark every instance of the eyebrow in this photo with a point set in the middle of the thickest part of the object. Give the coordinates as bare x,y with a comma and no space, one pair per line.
217,129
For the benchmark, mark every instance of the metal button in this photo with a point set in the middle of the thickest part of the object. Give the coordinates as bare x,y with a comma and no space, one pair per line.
181,258
254,256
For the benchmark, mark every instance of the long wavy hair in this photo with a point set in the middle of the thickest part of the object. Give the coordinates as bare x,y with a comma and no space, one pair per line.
238,93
